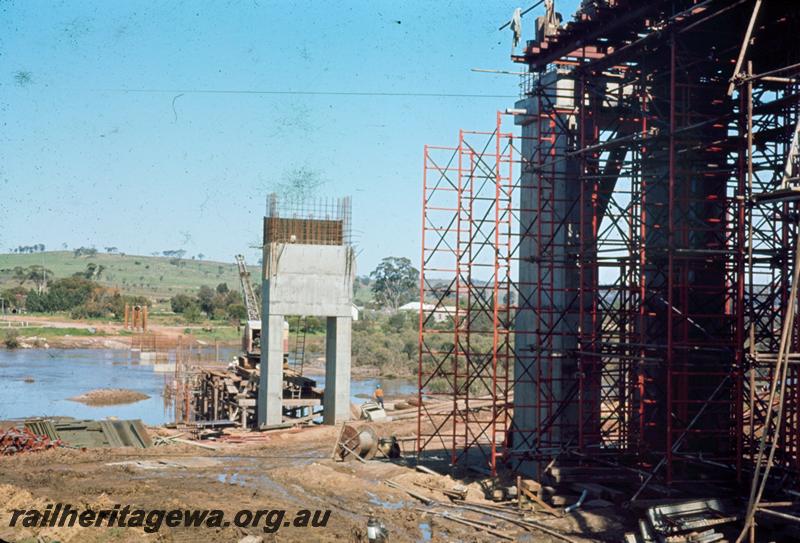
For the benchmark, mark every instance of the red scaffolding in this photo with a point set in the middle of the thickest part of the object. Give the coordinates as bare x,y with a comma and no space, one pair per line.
465,319
611,283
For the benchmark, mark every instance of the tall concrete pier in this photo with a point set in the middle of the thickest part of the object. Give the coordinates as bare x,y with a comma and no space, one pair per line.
308,270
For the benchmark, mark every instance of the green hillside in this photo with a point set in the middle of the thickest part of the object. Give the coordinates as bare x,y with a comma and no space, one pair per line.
154,277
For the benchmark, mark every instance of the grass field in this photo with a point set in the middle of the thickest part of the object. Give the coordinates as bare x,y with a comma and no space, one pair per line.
154,277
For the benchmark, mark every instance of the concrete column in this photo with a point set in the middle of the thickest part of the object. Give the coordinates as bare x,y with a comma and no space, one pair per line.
270,385
336,401
547,320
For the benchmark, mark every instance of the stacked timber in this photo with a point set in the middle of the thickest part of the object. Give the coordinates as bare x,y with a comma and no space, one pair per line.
232,395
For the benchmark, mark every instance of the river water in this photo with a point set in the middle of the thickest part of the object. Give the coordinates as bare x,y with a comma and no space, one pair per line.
60,374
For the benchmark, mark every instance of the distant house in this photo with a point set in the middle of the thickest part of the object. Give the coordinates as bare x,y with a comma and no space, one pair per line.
354,312
440,313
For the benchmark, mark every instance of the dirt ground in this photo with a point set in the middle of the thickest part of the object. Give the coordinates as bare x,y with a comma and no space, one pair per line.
289,470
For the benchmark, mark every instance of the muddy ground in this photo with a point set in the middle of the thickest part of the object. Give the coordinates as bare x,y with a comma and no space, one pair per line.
289,470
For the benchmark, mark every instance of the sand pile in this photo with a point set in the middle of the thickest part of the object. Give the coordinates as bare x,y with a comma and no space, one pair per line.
109,396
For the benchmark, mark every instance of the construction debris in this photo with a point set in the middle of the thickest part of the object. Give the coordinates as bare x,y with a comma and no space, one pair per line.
92,433
19,440
360,444
692,521
372,411
232,394
459,502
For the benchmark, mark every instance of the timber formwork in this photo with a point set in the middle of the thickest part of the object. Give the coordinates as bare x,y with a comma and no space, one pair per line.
650,252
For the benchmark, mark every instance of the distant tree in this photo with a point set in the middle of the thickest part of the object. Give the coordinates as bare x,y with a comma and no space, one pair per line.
177,253
181,302
63,294
92,271
200,256
11,339
20,274
205,298
13,297
84,251
397,321
111,249
222,288
38,275
395,281
237,312
192,314
313,324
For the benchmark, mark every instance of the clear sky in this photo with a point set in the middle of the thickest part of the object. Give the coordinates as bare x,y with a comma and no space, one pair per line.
106,140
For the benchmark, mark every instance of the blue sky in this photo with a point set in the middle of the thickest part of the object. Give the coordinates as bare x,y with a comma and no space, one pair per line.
85,162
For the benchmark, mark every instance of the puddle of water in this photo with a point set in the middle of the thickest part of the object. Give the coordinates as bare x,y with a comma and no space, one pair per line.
375,500
425,531
251,474
231,479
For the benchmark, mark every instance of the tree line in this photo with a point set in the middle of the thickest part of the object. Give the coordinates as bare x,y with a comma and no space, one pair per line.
220,303
29,249
81,297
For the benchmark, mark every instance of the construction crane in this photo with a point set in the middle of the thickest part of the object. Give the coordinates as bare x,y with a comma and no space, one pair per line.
250,302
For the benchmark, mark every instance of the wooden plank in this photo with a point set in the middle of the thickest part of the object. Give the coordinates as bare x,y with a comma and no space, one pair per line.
541,503
301,402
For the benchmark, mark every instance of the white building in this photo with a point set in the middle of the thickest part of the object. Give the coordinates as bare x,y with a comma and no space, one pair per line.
440,314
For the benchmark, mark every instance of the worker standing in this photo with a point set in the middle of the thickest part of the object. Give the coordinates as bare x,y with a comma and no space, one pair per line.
378,395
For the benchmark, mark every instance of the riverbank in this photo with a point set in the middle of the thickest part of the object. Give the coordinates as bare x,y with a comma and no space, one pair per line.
41,332
377,351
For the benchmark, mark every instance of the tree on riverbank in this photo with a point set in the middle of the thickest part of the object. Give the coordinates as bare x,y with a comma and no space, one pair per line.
82,298
218,304
396,282
11,339
388,342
